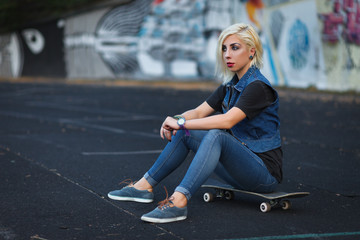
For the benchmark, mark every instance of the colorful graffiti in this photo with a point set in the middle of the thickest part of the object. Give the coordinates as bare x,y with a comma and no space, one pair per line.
298,44
175,40
146,40
172,41
340,21
344,22
252,6
294,45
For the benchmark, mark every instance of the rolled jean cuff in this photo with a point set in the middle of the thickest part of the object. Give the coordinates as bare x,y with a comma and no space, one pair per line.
150,180
183,191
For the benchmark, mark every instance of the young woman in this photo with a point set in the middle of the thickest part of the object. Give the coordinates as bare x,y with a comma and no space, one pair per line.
242,144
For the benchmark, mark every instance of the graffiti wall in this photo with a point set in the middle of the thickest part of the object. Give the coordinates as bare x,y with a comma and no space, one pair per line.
306,42
340,33
293,44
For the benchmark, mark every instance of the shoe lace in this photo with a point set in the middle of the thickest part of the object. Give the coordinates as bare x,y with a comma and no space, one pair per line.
128,182
167,202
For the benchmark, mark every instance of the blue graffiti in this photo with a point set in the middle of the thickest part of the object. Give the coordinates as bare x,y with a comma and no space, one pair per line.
298,45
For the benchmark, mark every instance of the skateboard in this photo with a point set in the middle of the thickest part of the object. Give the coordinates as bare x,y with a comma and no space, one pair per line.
273,200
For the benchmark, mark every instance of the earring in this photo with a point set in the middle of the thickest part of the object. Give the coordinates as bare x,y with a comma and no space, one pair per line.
251,57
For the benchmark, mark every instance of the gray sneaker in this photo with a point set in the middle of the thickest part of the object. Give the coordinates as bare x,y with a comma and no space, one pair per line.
132,194
165,213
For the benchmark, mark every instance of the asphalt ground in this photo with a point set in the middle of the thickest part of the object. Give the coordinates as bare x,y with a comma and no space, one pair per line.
63,147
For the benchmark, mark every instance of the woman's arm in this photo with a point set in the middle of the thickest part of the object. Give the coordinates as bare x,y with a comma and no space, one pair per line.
203,110
220,121
203,122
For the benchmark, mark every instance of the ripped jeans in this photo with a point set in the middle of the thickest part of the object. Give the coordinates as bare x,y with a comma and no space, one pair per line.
216,151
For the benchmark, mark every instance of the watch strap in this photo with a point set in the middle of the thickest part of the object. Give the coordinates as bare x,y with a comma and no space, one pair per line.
181,117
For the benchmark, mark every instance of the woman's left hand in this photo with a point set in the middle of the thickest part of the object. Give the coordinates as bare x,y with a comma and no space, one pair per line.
169,128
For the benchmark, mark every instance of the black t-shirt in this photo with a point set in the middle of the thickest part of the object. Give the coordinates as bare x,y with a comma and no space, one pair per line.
256,97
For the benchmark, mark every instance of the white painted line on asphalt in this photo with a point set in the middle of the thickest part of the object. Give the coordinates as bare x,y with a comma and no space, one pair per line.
65,107
75,108
75,122
121,153
93,126
118,119
24,116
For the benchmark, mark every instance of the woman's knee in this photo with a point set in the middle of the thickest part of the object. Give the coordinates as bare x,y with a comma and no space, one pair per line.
215,132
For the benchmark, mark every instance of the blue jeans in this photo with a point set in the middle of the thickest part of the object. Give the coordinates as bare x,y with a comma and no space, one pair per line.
215,151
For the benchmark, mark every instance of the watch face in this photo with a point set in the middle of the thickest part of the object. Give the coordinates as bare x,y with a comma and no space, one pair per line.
181,121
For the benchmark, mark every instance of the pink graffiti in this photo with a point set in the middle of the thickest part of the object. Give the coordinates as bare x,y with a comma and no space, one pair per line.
344,22
157,2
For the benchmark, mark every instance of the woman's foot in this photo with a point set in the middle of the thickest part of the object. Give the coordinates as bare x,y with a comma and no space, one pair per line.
133,193
179,199
169,210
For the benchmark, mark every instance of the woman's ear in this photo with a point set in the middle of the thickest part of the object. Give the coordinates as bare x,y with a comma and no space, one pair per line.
252,51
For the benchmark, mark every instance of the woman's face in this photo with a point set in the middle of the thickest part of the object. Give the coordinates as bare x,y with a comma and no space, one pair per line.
236,55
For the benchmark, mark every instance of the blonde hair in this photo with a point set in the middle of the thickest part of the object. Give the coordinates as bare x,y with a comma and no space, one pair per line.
249,36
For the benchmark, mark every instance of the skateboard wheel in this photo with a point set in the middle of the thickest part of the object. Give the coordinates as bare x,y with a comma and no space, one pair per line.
265,207
286,204
229,195
208,197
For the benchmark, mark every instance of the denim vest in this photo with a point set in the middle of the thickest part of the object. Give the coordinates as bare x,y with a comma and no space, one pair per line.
262,133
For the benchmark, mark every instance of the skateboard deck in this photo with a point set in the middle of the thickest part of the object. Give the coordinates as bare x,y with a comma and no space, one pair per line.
274,199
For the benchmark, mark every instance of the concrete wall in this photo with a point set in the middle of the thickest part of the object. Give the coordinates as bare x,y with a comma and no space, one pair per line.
306,42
